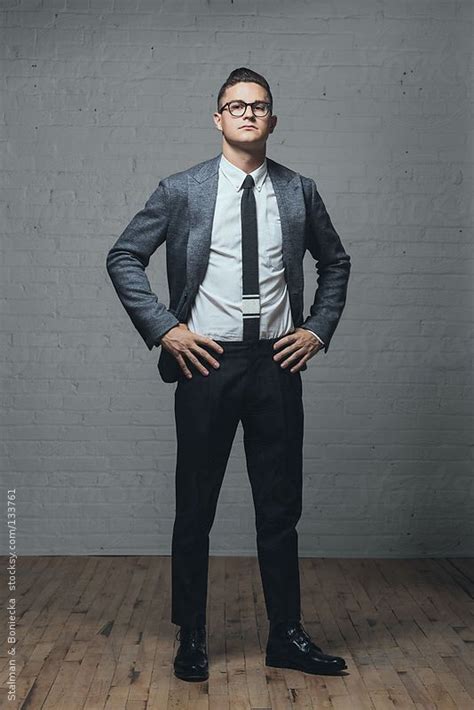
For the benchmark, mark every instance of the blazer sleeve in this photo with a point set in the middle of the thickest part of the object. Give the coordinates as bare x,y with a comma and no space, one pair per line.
332,265
126,263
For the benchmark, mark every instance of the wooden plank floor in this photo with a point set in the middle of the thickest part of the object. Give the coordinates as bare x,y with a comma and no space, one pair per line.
95,633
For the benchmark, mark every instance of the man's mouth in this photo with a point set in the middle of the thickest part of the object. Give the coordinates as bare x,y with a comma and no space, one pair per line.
253,127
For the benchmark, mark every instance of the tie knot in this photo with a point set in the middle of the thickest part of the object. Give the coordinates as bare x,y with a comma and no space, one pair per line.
248,182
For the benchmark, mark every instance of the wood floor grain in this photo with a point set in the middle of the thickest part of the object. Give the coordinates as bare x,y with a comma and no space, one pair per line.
94,633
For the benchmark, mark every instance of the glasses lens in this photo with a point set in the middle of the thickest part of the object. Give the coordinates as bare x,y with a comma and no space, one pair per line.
260,108
237,108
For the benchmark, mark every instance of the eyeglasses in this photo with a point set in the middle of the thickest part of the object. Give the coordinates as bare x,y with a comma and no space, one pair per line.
238,108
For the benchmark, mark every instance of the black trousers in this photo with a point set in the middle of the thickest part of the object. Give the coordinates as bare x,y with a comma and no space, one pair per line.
251,387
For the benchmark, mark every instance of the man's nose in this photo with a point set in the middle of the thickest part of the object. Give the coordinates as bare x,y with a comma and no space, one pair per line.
250,111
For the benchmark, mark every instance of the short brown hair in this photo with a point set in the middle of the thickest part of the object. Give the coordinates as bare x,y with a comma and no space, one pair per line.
244,74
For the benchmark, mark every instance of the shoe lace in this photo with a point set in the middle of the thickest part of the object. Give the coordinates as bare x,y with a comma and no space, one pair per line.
193,636
303,634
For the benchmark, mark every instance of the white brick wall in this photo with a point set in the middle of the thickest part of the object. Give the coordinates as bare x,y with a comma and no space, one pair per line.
103,99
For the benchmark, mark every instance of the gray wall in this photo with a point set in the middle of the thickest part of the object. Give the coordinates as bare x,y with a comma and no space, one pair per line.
373,103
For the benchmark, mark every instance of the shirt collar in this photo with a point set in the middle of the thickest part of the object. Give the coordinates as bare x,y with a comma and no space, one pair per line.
236,176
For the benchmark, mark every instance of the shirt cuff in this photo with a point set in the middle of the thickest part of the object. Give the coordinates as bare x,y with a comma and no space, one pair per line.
312,331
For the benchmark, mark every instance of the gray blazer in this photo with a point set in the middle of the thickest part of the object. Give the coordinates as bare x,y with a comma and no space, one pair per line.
181,211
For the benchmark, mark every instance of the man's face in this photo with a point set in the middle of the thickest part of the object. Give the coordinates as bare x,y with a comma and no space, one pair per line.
233,128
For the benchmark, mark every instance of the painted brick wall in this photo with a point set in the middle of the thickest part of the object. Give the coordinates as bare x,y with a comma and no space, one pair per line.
101,100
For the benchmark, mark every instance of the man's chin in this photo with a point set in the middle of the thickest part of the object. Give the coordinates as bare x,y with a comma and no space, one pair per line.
247,138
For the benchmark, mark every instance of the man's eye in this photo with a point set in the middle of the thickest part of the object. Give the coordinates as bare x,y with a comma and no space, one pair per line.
236,104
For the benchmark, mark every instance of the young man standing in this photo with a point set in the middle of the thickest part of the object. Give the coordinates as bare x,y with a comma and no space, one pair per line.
234,339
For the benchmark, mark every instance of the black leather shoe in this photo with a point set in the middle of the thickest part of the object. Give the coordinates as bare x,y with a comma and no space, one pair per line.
289,646
191,662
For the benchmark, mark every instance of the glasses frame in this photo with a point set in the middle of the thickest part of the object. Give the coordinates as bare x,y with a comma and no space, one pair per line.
252,106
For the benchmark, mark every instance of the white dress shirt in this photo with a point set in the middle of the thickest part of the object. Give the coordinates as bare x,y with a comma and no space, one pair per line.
217,309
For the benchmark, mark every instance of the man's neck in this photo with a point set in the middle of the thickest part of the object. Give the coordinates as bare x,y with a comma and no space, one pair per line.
248,162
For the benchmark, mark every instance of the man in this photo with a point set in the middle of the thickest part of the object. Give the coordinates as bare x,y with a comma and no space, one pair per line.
233,338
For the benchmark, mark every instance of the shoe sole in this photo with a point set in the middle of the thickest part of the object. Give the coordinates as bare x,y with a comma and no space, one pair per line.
280,663
191,678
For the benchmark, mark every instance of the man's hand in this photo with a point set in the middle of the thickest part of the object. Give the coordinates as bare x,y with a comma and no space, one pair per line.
301,345
184,343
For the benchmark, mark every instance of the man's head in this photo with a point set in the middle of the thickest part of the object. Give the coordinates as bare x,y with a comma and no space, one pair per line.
245,85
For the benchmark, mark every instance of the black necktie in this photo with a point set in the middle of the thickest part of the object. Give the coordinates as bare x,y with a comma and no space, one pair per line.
250,282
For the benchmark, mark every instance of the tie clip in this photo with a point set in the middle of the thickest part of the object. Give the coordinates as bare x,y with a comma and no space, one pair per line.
250,305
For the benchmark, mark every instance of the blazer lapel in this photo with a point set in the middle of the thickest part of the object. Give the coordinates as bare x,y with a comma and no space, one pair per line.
202,195
291,205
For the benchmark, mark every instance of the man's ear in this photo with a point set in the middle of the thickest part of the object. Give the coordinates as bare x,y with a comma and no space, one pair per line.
274,120
217,120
